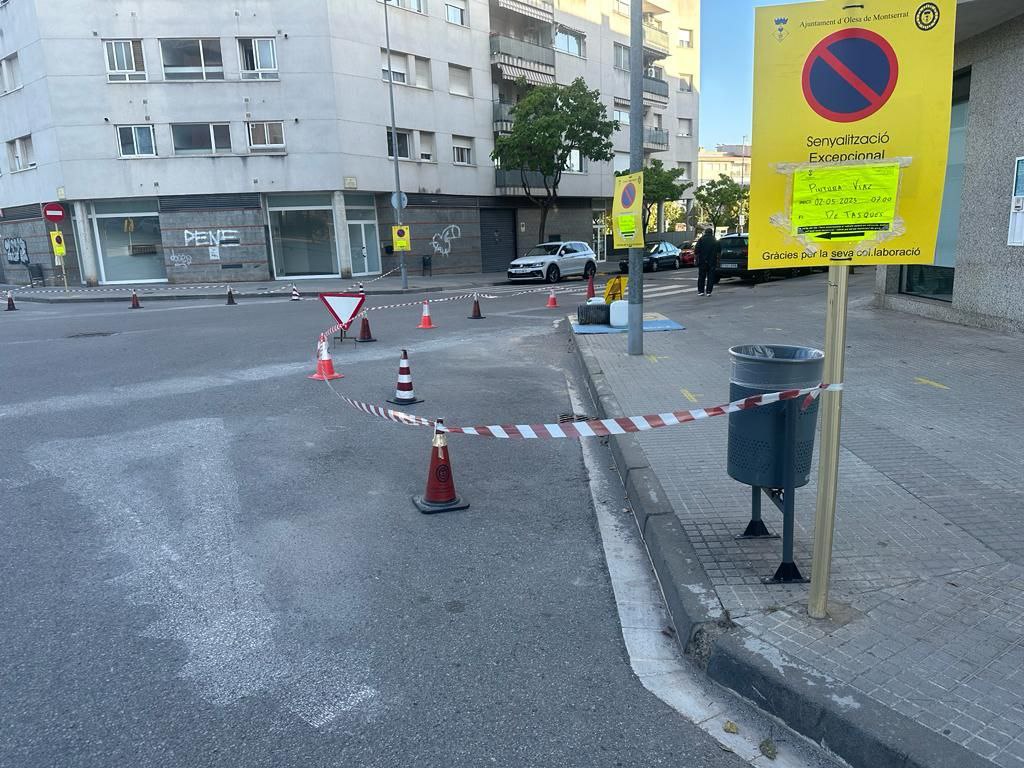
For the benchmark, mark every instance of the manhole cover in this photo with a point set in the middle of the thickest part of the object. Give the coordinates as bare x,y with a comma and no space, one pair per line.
565,418
91,334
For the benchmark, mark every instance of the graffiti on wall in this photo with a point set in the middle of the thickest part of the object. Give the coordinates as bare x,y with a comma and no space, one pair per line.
16,250
213,239
176,259
442,241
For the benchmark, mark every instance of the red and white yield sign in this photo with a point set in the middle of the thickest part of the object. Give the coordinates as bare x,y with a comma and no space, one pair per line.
343,306
53,212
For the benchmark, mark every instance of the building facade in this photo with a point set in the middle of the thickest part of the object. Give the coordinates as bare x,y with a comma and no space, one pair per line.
978,274
733,160
193,142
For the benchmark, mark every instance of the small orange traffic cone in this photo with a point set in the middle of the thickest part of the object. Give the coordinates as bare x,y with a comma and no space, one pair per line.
404,393
590,287
231,298
324,364
135,301
10,302
295,294
425,321
364,330
440,495
476,309
552,300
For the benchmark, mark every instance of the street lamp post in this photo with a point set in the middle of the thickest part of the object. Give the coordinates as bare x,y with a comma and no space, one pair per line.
396,200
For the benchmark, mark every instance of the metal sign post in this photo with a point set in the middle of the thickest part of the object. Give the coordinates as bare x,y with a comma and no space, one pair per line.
397,197
635,340
828,455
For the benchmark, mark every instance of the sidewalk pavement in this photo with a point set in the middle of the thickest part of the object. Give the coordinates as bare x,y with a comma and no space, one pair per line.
389,285
922,662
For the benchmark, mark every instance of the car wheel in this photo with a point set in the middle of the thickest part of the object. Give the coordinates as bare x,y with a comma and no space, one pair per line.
654,265
677,264
553,275
590,270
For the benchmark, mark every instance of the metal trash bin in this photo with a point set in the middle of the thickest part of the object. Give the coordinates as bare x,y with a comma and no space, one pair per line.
428,265
757,437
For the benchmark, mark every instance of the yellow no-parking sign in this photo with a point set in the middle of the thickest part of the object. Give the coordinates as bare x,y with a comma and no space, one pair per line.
401,238
627,211
851,132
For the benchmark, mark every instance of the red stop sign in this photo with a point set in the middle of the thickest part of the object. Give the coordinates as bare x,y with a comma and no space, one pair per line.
53,212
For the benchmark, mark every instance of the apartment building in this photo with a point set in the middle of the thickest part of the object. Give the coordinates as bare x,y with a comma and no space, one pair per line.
733,160
193,141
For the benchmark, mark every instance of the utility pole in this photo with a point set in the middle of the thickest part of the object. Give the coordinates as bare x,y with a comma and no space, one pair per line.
635,340
396,200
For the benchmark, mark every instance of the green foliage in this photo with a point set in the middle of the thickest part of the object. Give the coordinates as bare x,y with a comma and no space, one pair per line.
549,122
720,201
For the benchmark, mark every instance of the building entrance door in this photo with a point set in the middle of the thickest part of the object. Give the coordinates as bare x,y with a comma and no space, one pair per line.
362,237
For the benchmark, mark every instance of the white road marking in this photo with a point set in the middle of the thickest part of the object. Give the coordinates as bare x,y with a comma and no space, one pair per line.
187,565
655,657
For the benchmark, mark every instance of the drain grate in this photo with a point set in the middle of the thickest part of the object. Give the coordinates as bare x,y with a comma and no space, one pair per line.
566,418
91,334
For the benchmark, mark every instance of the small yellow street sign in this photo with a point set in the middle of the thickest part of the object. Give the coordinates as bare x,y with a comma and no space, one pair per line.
401,238
615,289
627,211
59,249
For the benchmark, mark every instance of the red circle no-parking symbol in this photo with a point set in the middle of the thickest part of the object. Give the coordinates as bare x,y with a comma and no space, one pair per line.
850,75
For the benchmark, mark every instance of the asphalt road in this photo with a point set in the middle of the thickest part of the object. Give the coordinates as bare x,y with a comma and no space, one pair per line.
208,559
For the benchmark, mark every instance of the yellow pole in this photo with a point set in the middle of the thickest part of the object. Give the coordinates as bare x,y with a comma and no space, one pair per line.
828,455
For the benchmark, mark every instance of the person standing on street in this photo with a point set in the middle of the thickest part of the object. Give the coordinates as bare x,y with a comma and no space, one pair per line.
706,250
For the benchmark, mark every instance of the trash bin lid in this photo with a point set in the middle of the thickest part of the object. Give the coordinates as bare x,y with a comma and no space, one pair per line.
776,366
782,353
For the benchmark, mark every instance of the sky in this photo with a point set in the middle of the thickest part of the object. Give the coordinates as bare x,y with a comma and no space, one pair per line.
727,64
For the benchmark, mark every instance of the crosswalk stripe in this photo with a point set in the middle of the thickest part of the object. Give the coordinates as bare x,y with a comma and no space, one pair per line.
660,292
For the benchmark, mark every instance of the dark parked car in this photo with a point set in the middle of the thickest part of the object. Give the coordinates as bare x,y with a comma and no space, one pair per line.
659,254
732,262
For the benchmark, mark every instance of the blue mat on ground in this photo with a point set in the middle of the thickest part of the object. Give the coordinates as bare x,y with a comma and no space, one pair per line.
659,324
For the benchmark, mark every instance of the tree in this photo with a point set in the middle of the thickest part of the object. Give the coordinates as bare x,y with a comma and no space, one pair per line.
550,123
661,185
719,201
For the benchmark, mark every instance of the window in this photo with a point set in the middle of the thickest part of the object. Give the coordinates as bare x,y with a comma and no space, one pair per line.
685,38
622,7
622,57
192,59
460,80
399,63
266,137
426,147
622,115
455,12
125,62
575,162
420,6
403,145
10,74
621,161
462,150
136,141
422,72
258,57
685,83
685,168
685,126
201,138
570,42
19,154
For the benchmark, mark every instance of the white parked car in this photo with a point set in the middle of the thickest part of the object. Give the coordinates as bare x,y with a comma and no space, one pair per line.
553,261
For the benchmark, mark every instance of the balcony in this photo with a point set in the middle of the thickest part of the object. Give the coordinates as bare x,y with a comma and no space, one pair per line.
655,139
502,117
511,182
543,10
517,59
656,39
655,92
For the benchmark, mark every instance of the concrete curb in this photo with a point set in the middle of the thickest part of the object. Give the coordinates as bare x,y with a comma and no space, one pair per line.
125,296
858,729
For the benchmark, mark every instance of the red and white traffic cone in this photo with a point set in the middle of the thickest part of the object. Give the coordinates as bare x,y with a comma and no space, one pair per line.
475,315
231,298
404,392
135,301
10,302
425,322
552,300
324,365
440,495
364,330
295,294
590,287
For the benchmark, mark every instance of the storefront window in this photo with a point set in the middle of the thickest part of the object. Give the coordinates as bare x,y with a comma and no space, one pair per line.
304,242
129,241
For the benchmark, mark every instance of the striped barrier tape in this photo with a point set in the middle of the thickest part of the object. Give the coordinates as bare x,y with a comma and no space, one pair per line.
595,427
141,290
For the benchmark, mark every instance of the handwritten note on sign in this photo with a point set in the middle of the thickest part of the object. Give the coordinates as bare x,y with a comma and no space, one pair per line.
846,202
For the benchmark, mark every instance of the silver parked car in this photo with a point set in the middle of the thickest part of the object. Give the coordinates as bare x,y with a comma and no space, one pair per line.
553,261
